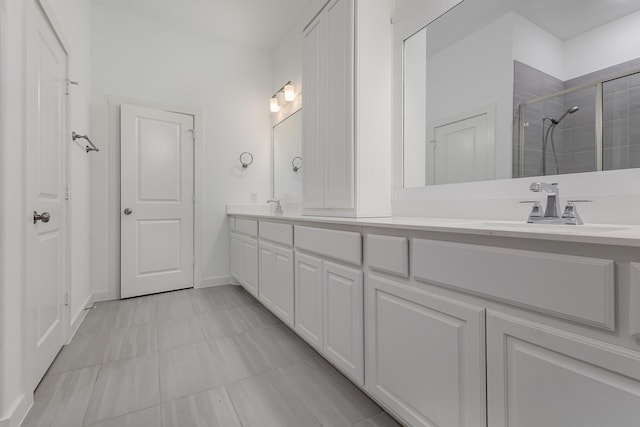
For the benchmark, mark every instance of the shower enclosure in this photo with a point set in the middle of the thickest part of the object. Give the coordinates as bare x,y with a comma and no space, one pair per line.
584,128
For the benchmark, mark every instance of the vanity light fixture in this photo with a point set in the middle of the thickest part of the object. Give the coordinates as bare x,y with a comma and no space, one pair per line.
275,107
284,95
289,92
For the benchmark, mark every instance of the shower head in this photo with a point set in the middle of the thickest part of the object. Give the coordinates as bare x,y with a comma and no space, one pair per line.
569,111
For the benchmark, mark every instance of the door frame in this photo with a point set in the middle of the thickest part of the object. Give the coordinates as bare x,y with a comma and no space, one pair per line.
113,216
33,8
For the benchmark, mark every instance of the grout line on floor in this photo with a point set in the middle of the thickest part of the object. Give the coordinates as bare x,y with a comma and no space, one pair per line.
93,389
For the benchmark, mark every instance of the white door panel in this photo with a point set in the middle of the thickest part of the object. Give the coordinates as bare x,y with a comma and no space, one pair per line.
45,187
339,172
157,187
541,376
284,289
314,115
266,276
343,318
236,256
250,265
425,355
308,299
463,148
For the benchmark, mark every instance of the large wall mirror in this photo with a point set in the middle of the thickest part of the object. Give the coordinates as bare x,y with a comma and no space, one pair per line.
496,89
287,159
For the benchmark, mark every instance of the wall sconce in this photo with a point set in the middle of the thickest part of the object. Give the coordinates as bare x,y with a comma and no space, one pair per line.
285,94
275,107
289,92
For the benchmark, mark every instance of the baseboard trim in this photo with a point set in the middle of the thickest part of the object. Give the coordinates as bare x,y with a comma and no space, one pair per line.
79,317
19,412
208,282
103,296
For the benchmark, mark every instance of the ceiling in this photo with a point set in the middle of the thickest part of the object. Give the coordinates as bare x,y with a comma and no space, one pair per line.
570,18
564,19
257,23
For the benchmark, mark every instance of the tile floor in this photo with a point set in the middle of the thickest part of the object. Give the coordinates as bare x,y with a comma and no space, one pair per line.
206,357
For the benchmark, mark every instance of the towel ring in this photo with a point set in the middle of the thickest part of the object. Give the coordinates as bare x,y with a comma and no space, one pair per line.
246,159
296,165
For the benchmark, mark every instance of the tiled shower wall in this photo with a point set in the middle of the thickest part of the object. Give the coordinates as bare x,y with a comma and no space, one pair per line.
575,136
529,83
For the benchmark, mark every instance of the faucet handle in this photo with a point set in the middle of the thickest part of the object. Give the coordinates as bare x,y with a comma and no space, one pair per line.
571,215
536,210
579,201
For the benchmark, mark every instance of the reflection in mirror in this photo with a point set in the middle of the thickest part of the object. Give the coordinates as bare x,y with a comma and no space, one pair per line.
288,166
509,88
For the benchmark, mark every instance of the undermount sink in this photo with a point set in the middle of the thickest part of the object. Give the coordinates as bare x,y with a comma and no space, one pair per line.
553,228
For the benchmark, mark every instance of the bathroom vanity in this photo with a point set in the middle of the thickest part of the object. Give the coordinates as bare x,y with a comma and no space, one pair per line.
463,322
459,322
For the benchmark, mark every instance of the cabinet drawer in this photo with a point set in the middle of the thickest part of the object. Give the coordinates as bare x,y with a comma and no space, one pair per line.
247,226
572,287
279,233
342,245
388,254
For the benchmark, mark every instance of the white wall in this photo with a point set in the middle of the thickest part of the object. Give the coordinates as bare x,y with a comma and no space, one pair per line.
604,46
287,58
537,48
12,48
472,73
72,17
135,57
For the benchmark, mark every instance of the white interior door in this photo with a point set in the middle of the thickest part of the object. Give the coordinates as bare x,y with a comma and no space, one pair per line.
463,150
45,186
156,201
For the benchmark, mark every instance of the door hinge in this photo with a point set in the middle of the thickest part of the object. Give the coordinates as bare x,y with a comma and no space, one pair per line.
69,82
67,298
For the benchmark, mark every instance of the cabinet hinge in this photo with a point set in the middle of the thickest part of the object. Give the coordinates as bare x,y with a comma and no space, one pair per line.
67,298
193,198
193,261
193,134
66,193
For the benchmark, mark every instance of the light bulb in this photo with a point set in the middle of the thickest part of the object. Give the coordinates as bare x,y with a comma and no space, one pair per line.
275,107
289,93
281,100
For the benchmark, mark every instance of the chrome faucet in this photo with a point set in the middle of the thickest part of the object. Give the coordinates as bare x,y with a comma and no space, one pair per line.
552,212
278,210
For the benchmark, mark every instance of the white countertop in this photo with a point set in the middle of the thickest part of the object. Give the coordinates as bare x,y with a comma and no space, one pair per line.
601,234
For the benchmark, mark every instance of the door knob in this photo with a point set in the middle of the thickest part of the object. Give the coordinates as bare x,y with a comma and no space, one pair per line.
44,217
128,211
